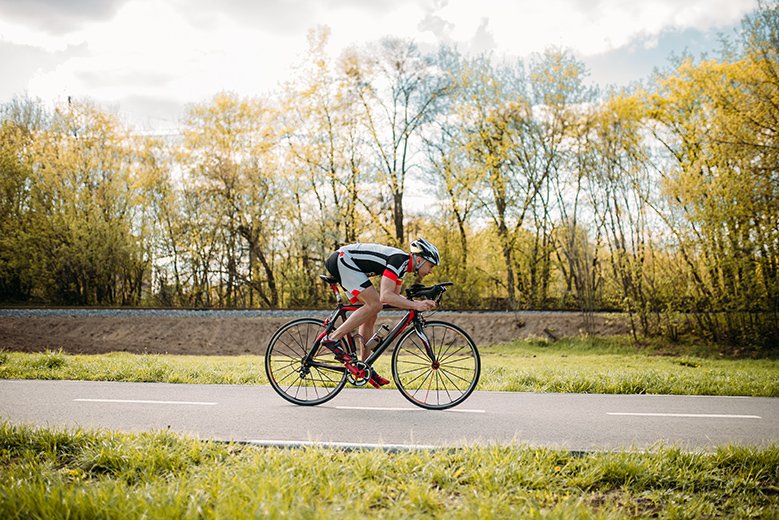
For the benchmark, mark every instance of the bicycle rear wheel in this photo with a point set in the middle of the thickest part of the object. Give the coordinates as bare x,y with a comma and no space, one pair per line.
446,379
296,381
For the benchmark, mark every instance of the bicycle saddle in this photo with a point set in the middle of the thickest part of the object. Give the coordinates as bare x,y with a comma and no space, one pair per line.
328,279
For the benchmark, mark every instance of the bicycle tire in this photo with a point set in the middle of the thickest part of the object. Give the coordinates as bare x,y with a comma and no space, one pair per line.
436,387
319,382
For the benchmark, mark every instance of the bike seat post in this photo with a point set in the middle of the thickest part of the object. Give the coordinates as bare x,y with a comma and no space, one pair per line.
333,283
337,293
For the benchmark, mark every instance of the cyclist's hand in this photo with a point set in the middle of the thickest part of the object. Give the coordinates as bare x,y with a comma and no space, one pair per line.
424,305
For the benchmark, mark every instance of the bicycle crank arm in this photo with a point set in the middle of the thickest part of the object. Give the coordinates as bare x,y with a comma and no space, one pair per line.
358,373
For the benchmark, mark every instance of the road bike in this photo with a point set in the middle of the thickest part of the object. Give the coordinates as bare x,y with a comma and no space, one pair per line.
435,364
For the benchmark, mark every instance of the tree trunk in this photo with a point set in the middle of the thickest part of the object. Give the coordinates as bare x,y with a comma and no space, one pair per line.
252,236
397,214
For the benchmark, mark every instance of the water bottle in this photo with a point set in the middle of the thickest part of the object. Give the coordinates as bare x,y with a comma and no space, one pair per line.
376,338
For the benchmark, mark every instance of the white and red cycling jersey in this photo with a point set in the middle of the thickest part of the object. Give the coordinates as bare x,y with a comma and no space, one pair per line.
352,265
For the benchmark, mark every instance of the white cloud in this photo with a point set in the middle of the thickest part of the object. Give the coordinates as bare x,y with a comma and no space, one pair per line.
187,50
588,27
18,34
58,17
351,24
151,49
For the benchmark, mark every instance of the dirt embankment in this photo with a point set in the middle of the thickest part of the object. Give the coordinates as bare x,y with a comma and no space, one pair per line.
241,335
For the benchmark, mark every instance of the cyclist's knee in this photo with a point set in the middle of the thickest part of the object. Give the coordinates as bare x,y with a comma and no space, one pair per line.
371,300
374,306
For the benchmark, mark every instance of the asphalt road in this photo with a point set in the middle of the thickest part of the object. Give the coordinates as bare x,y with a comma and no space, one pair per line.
367,417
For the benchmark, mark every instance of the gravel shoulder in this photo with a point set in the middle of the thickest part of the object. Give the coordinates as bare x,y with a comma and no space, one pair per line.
228,333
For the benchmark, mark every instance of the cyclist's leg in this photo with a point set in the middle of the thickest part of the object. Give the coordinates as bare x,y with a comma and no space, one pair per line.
359,288
366,331
365,315
367,328
365,319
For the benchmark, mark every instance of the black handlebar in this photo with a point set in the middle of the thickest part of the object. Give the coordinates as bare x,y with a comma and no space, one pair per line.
433,292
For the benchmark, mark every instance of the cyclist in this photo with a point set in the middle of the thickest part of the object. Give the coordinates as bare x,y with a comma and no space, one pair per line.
353,265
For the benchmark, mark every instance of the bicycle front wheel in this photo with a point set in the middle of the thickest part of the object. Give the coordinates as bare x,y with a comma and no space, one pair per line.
291,376
443,375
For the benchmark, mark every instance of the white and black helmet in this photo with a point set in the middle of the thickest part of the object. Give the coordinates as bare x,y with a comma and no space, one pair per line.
426,250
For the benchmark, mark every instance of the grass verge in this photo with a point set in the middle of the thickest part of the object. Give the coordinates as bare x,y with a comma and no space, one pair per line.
90,474
615,366
595,365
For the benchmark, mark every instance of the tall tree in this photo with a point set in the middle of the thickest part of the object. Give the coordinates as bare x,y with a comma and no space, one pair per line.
496,115
398,88
548,158
83,200
722,187
20,120
325,168
621,185
229,153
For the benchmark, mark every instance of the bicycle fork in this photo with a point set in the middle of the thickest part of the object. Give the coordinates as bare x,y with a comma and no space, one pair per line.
429,352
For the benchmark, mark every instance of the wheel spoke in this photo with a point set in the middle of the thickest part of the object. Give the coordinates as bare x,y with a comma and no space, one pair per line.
315,383
448,375
441,383
424,371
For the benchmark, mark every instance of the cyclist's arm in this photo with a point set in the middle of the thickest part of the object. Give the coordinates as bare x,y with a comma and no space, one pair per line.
390,295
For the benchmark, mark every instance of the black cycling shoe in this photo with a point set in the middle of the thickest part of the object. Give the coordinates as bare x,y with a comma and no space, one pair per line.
335,347
376,380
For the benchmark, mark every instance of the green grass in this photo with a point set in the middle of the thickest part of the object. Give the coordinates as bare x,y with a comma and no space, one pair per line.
97,474
605,365
122,366
613,366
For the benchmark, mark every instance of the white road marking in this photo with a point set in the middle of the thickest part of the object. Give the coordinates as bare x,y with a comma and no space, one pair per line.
387,409
141,401
346,446
698,415
691,396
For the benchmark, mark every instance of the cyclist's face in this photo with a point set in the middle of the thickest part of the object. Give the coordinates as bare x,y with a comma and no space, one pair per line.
425,269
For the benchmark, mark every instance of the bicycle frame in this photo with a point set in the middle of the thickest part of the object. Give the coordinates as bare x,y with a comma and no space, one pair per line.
410,317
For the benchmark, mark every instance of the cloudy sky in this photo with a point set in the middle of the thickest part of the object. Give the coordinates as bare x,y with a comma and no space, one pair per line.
146,59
